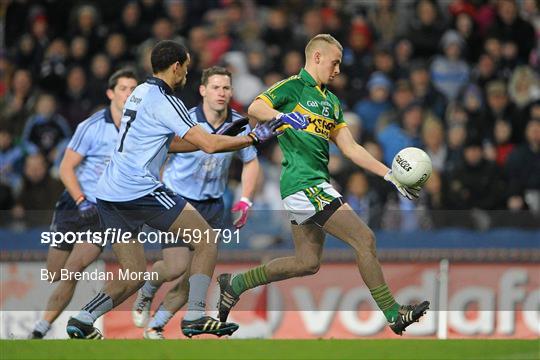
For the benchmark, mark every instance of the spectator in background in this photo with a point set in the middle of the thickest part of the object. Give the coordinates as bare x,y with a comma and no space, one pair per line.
499,107
38,194
384,19
293,61
425,29
26,53
371,108
406,133
363,200
12,159
130,25
116,50
85,23
39,29
277,34
356,55
523,167
456,135
383,62
472,103
466,27
246,85
524,87
402,96
510,27
78,52
354,123
18,103
502,137
449,72
98,82
433,139
52,74
432,199
423,89
76,105
484,71
403,52
46,129
178,14
476,183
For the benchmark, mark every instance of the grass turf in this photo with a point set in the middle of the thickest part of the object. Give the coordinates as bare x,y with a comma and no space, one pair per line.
271,349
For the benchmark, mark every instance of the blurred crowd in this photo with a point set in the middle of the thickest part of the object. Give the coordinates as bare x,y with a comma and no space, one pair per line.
458,78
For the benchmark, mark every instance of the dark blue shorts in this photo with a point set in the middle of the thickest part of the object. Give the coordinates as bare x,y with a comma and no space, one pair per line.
159,210
66,218
211,210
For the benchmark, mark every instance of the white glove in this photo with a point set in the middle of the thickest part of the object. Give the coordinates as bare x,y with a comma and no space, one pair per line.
407,191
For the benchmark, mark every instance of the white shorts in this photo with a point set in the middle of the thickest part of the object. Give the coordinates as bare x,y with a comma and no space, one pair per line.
305,203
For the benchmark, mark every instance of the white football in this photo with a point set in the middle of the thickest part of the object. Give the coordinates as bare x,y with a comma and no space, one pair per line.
411,167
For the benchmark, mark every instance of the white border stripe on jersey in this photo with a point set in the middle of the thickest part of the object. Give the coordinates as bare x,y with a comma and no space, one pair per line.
182,107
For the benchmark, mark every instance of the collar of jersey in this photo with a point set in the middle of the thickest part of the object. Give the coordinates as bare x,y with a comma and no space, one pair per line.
162,84
304,75
108,115
202,119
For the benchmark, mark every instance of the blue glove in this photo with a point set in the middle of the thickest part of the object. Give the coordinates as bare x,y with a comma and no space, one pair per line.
87,209
266,131
233,128
295,119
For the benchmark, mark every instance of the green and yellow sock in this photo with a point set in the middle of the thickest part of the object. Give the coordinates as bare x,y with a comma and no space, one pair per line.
386,302
250,279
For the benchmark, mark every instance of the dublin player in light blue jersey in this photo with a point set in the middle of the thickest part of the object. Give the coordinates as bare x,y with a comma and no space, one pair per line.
201,179
86,156
129,193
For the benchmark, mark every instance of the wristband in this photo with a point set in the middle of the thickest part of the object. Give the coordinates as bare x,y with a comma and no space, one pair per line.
80,199
246,200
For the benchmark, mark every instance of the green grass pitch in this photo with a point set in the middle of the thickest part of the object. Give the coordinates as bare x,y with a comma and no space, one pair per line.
271,349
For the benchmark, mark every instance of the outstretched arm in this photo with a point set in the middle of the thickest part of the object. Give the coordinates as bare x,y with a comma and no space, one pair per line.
357,153
198,139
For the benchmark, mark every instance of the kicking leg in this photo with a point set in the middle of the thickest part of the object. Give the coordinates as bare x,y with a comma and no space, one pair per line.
308,245
347,226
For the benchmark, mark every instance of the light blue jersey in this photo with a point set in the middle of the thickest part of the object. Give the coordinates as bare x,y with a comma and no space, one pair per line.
152,117
201,176
95,140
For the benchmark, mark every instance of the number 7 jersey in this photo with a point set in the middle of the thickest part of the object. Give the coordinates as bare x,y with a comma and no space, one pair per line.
305,152
152,116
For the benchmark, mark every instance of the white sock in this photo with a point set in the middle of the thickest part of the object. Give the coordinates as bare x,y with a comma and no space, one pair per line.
161,318
42,326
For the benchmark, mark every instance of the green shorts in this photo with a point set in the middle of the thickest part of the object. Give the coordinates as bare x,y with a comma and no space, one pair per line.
304,204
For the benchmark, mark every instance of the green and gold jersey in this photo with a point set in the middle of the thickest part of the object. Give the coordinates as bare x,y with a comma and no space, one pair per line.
305,152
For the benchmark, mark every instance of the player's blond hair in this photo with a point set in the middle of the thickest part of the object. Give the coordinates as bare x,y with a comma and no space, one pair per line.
317,40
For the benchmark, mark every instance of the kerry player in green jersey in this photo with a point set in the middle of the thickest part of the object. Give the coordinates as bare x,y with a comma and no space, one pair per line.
315,207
